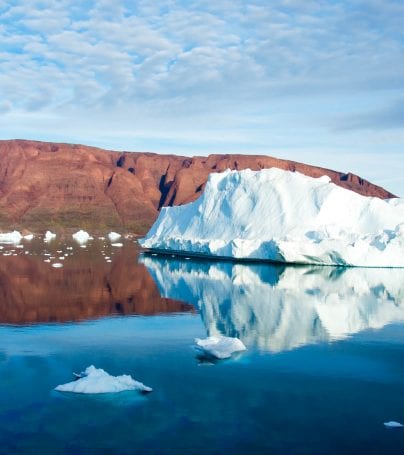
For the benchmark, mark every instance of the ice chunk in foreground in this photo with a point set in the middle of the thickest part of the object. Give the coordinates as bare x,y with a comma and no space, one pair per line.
81,236
393,424
49,236
29,236
117,244
283,216
220,347
10,237
114,236
96,380
57,265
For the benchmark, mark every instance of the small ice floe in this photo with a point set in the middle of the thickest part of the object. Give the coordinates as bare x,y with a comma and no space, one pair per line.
19,246
113,236
393,424
49,236
109,260
10,237
69,248
117,244
219,347
101,238
46,260
96,380
83,246
81,236
57,265
28,237
61,258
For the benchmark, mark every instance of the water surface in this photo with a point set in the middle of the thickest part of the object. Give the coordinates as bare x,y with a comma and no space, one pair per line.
323,370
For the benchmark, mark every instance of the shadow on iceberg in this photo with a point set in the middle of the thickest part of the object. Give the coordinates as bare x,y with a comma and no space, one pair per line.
275,307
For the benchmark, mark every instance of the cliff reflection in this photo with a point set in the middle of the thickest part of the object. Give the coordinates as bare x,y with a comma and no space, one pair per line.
31,291
278,308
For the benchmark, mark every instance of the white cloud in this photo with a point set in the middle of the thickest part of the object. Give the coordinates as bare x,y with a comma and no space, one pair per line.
169,73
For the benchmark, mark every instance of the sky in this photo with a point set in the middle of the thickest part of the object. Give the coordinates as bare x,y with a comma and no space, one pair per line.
316,81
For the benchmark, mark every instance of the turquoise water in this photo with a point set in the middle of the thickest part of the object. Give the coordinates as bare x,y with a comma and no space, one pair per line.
323,370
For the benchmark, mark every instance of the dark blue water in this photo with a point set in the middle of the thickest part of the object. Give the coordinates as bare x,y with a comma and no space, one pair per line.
323,370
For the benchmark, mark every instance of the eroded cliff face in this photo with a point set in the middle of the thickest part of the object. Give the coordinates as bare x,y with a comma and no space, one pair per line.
49,185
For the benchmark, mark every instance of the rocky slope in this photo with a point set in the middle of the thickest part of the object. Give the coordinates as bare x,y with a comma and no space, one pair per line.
49,185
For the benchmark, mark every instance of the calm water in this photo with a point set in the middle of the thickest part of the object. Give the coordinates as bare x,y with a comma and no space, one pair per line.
323,370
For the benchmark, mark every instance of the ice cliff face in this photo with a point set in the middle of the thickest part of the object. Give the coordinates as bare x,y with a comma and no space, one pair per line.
283,216
277,308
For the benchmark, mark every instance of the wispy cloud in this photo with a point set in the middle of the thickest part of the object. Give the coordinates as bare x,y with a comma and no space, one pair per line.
169,68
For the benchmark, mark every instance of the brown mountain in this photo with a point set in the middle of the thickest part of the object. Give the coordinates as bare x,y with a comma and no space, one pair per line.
49,185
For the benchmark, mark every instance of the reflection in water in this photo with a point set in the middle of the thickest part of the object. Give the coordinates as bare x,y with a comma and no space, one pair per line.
86,287
278,308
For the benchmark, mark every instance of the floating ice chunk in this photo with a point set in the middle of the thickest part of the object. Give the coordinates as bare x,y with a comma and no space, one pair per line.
29,236
10,237
96,380
19,246
283,216
49,236
117,244
101,238
57,265
81,236
83,246
220,347
47,260
113,236
393,424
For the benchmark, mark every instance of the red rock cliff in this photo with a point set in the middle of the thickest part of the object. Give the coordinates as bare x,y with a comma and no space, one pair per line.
49,185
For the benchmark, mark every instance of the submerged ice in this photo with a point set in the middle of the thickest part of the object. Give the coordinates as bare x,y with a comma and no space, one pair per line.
96,380
283,216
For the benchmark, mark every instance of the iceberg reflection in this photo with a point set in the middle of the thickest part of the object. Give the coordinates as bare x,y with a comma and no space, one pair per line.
278,308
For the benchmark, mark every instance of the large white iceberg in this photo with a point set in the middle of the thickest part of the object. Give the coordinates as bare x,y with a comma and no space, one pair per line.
219,346
96,380
283,216
10,237
277,308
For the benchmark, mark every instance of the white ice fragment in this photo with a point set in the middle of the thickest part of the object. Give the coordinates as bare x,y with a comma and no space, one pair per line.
82,246
10,237
117,244
113,236
219,346
57,265
28,237
283,216
69,248
19,246
47,260
81,236
101,238
49,236
393,424
96,380
109,260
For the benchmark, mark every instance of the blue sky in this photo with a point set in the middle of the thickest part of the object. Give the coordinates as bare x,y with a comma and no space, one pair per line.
318,81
